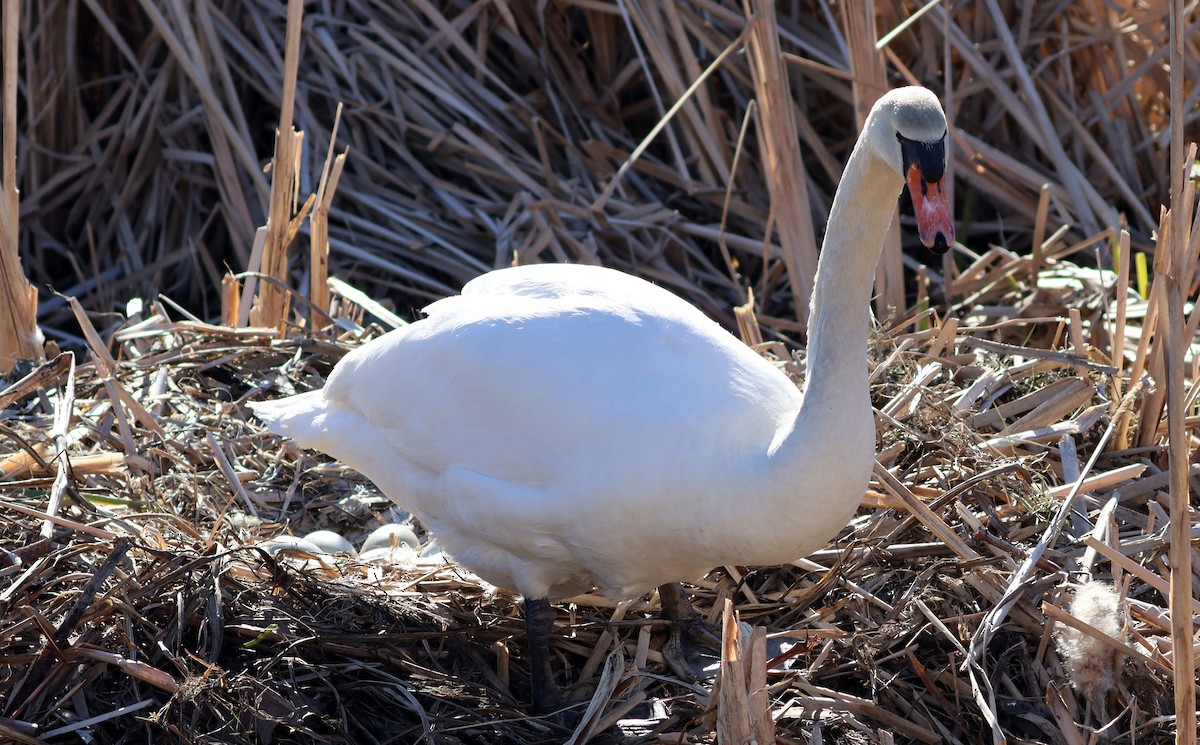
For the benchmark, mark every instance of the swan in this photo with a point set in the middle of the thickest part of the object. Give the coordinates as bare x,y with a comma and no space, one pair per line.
564,427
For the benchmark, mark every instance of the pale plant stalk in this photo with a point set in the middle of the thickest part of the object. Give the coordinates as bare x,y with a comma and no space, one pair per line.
1177,439
19,335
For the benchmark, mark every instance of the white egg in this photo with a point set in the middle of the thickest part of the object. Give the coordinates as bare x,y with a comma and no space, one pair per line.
330,542
386,535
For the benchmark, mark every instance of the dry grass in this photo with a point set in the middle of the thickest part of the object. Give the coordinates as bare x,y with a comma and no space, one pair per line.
481,131
1022,431
148,593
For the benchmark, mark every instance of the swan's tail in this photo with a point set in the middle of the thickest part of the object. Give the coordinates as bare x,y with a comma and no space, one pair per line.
298,417
316,423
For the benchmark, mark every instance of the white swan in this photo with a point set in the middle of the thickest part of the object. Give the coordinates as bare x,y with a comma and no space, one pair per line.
562,427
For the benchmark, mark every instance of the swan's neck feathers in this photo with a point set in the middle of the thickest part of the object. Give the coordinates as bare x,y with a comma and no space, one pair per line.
839,318
831,440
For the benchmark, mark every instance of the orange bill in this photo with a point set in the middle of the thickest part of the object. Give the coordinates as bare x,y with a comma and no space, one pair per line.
935,224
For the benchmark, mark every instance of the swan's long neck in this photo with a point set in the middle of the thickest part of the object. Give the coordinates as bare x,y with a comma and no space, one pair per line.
830,445
836,400
838,321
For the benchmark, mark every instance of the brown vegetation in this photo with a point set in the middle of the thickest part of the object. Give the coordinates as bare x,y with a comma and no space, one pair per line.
1023,399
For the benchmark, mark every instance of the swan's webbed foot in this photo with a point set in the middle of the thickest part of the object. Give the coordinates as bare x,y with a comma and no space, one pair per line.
693,649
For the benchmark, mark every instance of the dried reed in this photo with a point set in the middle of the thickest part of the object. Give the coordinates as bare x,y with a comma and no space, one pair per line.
489,133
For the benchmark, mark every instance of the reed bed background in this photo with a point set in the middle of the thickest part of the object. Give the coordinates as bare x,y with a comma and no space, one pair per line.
1022,383
483,130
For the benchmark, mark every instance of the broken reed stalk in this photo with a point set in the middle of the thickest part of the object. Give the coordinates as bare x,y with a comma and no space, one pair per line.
869,75
1173,255
245,298
1037,251
319,224
780,152
1152,353
62,424
748,327
19,335
1180,528
271,307
743,706
1117,350
231,292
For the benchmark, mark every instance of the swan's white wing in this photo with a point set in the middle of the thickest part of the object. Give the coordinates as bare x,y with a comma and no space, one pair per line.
531,381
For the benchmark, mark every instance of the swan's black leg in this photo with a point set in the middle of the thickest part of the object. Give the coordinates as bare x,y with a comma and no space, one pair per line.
693,643
539,622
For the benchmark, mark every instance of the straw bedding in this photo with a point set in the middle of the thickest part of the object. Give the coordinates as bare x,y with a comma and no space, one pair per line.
150,598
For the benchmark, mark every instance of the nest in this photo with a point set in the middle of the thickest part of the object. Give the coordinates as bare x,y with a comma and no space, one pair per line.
137,607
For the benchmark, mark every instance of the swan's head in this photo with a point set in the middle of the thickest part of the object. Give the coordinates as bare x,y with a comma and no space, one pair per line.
908,130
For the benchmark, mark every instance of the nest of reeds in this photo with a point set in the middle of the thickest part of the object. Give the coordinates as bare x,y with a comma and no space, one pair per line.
137,606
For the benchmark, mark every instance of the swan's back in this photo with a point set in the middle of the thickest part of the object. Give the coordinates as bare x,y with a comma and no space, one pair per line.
555,425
